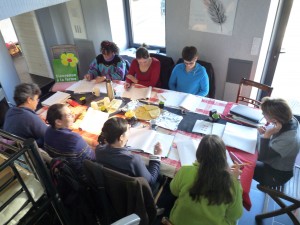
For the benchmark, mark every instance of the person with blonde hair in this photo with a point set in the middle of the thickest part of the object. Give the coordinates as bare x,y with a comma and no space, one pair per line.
208,192
279,143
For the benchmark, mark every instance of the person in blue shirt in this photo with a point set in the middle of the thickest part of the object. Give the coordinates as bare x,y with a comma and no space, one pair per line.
22,119
189,76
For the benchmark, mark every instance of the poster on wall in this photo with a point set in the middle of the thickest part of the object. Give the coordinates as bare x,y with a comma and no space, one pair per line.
65,68
213,16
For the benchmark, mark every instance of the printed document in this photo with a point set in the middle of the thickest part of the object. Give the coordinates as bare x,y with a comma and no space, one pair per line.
206,127
58,97
93,121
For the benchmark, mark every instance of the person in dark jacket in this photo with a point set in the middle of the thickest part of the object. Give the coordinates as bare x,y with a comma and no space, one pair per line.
22,120
113,154
60,141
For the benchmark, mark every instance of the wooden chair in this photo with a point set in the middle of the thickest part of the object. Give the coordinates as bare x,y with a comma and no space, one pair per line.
289,192
263,87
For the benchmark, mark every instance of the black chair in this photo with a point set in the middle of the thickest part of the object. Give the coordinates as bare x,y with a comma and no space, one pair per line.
117,195
166,67
211,76
289,192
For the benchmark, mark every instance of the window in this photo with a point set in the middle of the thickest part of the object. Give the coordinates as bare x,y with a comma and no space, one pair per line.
146,23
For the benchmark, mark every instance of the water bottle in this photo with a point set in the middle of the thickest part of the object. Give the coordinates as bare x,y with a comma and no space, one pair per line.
110,90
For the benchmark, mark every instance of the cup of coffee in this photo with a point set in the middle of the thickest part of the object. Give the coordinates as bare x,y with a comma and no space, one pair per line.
96,91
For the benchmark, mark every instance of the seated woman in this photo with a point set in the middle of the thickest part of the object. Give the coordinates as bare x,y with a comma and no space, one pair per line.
107,65
113,154
144,70
207,191
189,76
278,144
60,141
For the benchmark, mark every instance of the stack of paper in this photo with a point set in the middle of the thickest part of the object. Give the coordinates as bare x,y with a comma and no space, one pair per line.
145,140
93,121
58,97
240,137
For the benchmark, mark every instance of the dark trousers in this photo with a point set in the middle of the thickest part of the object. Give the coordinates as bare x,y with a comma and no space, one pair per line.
266,175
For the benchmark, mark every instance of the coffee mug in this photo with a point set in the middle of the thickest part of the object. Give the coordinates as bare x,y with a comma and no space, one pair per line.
96,91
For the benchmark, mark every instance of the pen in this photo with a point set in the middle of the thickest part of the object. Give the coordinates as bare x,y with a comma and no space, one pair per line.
243,164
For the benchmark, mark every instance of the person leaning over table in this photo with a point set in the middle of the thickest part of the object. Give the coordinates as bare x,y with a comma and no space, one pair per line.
107,65
278,144
112,153
144,70
208,192
189,76
60,141
22,120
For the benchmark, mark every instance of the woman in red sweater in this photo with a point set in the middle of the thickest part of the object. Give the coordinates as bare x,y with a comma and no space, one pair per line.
143,70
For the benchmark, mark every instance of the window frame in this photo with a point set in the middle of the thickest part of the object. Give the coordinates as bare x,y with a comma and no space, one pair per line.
128,23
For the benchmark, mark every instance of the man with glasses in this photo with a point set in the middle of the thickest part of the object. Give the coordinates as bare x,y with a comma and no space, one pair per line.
22,119
189,76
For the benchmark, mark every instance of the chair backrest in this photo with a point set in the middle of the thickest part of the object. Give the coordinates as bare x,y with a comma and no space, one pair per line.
211,76
263,87
119,195
166,67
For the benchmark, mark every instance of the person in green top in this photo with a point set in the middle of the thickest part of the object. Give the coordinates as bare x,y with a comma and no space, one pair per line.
208,192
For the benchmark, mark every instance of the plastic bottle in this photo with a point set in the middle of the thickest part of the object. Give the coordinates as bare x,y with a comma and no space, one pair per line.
110,91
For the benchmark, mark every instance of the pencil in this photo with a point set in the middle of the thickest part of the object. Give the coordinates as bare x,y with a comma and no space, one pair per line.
243,164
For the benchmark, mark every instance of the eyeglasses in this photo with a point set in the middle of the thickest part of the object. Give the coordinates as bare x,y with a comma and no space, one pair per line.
69,115
189,63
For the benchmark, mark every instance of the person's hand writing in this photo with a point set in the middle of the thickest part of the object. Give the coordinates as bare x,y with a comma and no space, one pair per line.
88,77
100,79
273,130
157,149
132,78
127,86
235,170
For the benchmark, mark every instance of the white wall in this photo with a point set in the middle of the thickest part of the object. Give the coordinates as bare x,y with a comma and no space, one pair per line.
217,49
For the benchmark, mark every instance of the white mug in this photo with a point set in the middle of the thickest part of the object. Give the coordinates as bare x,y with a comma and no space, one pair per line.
96,91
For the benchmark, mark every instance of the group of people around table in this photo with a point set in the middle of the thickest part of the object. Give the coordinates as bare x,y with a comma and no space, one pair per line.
189,76
207,192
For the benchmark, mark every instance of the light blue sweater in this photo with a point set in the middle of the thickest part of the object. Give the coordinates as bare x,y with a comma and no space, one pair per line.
193,82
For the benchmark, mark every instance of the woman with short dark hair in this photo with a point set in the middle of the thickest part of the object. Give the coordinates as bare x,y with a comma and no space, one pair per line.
108,64
60,141
279,143
113,154
207,192
144,70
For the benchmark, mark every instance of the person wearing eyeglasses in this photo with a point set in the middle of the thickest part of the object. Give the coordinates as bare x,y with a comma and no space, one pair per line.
22,119
61,141
189,76
107,65
144,70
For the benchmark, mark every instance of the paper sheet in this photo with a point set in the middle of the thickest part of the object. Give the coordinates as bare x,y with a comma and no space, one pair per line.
93,121
84,86
240,137
135,93
58,97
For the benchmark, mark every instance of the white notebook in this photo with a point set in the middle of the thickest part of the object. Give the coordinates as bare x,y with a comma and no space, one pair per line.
240,137
93,121
145,140
58,97
206,127
187,152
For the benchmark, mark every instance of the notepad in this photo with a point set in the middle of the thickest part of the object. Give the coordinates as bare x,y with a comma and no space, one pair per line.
135,93
240,137
58,97
93,121
187,152
145,140
186,101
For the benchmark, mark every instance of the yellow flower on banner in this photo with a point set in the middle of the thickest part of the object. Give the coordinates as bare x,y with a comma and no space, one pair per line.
68,58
